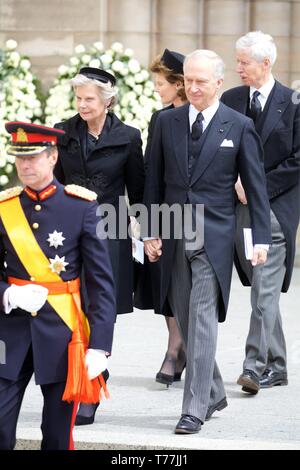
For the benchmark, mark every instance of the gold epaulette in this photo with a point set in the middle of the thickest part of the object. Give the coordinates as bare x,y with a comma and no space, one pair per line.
80,191
10,193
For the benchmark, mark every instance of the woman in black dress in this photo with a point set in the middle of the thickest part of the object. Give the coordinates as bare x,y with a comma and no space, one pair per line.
104,155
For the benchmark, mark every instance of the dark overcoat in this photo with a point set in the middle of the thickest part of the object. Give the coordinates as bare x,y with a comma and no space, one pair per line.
116,163
280,135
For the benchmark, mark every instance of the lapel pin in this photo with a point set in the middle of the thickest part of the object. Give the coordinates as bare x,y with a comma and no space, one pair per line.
221,130
279,110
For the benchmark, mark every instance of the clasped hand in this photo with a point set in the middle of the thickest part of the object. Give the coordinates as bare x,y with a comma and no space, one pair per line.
153,249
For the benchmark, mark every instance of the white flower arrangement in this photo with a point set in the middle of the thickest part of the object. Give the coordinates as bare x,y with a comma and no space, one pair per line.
19,100
137,98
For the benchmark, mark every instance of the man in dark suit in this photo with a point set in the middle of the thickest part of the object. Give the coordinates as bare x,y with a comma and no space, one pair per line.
277,120
196,154
42,252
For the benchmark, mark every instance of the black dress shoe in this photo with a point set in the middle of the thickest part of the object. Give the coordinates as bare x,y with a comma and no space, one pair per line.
216,407
270,378
188,424
249,382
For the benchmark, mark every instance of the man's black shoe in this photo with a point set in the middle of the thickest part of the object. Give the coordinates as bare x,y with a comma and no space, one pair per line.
249,382
271,378
188,424
216,407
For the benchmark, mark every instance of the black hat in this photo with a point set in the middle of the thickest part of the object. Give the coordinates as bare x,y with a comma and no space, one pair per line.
98,74
31,139
173,60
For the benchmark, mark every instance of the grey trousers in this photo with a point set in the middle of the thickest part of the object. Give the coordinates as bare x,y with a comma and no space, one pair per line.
265,344
193,297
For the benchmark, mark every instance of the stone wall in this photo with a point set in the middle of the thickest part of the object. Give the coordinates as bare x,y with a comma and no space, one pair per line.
48,31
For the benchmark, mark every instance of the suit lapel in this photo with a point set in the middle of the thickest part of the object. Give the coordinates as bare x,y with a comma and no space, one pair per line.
180,129
216,133
275,112
242,99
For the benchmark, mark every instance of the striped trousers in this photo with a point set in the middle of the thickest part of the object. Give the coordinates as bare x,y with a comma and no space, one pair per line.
193,296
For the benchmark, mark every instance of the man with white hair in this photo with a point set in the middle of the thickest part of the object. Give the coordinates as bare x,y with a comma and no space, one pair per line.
277,121
197,152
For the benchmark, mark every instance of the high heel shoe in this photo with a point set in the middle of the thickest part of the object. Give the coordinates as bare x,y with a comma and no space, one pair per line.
166,379
86,412
177,375
90,410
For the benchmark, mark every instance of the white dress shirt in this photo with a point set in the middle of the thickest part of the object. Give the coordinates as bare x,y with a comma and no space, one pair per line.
264,91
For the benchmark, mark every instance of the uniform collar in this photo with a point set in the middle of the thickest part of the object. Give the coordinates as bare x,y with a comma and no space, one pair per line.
43,194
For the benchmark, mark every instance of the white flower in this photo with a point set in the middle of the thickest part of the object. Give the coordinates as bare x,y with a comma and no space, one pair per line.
80,49
117,66
98,45
128,52
18,101
117,47
14,58
9,168
95,63
139,78
124,71
74,61
86,58
3,180
106,59
25,64
145,74
134,66
11,44
138,89
62,70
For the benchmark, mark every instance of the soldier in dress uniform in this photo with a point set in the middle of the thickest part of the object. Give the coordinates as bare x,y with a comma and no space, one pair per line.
42,252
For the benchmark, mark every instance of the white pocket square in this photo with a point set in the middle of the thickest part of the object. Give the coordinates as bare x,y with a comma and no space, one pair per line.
227,143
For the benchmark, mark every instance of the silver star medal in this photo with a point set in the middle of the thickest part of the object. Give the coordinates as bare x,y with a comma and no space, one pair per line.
56,239
57,264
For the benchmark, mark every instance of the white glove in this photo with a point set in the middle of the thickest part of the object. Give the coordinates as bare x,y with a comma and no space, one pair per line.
30,297
96,362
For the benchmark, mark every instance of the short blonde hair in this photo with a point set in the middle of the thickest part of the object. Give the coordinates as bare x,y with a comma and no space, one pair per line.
107,92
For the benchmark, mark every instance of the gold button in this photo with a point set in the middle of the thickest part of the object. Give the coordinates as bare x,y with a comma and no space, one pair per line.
38,208
35,225
32,278
33,314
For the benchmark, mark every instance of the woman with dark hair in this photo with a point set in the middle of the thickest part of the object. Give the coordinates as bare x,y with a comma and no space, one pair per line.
104,155
169,84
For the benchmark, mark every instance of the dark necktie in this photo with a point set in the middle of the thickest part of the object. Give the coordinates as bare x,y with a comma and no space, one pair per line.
255,106
197,127
197,130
